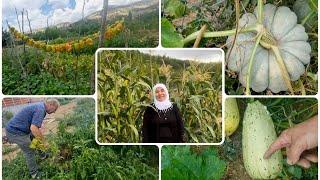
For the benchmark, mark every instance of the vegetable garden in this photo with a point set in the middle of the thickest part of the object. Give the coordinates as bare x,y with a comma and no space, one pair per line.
60,60
125,79
271,48
74,153
33,66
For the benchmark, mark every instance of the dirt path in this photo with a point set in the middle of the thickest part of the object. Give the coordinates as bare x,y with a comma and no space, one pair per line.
51,121
49,126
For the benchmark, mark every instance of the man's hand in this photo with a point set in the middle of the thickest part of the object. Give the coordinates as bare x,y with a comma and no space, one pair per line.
298,140
36,131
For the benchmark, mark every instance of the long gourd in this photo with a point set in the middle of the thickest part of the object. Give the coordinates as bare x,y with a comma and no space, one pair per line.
232,116
257,135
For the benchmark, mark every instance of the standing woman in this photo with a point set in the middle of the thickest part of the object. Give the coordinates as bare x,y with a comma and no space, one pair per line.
162,122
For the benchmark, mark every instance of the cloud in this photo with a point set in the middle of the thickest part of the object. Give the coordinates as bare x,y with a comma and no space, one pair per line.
59,11
8,10
58,4
72,15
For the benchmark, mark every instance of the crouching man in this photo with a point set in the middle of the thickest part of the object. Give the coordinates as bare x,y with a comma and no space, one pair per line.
26,123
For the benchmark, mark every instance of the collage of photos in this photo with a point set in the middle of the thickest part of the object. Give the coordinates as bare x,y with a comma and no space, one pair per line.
159,89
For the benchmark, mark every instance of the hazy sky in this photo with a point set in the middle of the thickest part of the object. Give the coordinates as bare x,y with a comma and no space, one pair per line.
58,11
203,55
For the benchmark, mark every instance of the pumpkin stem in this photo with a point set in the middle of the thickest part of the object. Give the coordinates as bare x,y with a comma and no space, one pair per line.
283,68
248,75
267,39
260,11
194,35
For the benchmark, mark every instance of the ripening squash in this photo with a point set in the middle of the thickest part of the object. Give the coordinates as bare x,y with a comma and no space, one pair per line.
25,38
81,44
37,44
96,35
286,34
49,48
232,116
56,48
68,47
30,42
89,42
62,47
76,46
258,133
17,35
43,46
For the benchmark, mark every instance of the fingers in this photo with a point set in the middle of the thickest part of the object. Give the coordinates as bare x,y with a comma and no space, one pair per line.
283,140
294,151
311,157
304,163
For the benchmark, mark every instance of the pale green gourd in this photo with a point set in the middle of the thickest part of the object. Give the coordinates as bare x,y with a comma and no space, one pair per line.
258,133
283,32
232,116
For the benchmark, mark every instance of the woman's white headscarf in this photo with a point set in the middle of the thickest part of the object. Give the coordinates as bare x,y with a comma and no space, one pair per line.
162,105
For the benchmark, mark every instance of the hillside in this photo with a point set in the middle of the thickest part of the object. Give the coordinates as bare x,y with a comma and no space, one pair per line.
136,9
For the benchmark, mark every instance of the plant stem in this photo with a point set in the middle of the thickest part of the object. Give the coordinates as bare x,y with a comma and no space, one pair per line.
283,68
198,39
305,19
194,35
302,89
260,11
248,75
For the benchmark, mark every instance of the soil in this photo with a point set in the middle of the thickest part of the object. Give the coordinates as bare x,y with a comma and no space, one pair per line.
49,126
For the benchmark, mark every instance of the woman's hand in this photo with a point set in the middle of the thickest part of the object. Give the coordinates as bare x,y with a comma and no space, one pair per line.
298,140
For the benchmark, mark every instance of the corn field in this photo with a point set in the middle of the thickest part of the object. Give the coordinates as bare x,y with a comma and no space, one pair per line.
125,80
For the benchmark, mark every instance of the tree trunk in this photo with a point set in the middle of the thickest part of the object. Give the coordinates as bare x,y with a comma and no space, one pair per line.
101,39
18,19
103,22
29,22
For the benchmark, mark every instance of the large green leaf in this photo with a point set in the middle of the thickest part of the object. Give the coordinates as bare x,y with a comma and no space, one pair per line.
175,8
169,36
179,162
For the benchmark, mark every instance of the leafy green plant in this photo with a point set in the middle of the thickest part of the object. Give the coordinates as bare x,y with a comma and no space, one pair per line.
47,73
179,162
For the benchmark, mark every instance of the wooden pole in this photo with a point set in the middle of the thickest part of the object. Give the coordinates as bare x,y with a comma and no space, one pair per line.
29,22
18,19
103,22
